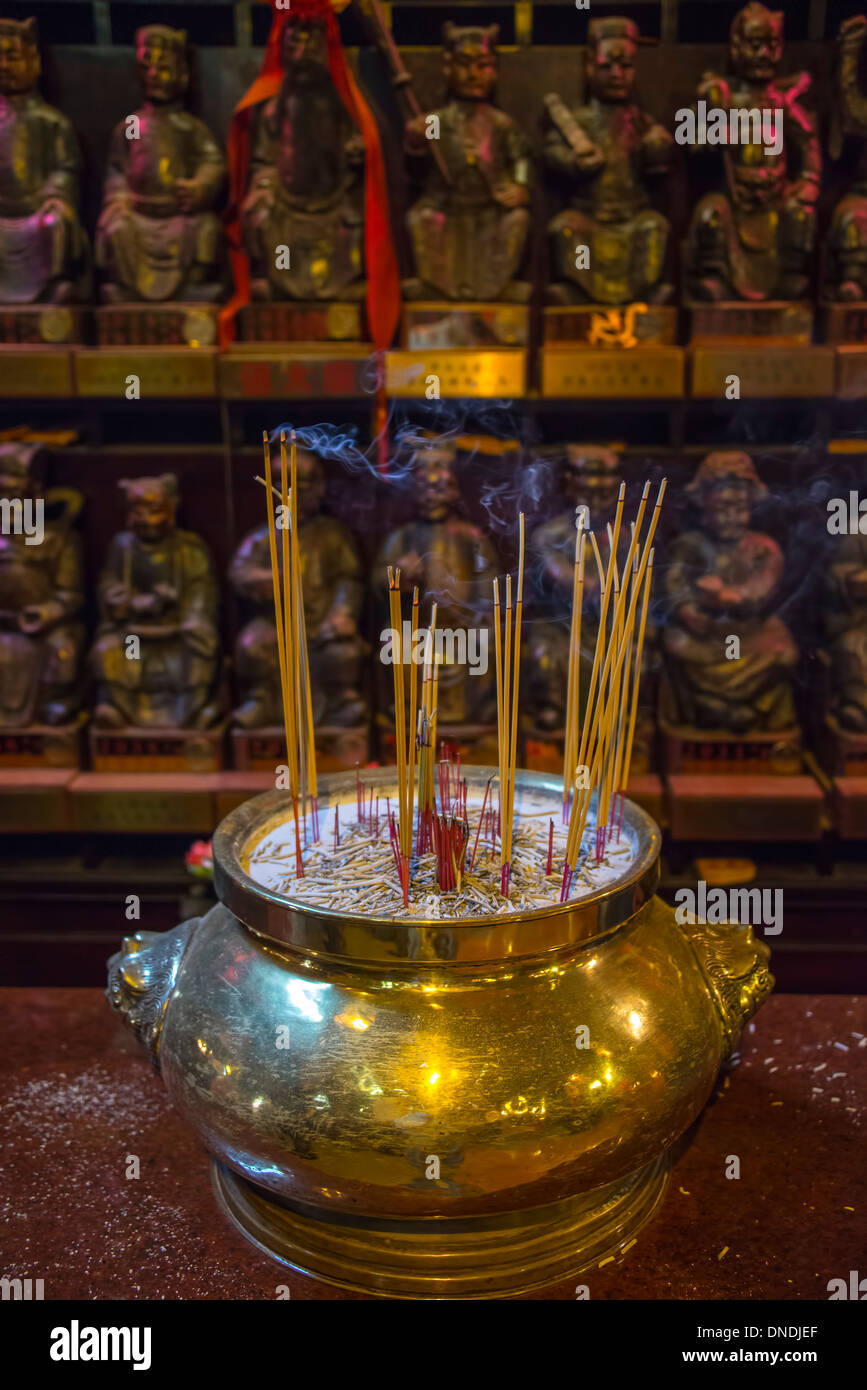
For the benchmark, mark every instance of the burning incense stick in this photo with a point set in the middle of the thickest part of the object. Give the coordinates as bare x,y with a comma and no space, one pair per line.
508,670
611,703
570,741
285,689
405,755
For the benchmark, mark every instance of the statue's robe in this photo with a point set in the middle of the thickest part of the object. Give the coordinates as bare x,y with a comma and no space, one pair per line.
331,581
42,241
467,246
170,682
146,244
709,688
611,212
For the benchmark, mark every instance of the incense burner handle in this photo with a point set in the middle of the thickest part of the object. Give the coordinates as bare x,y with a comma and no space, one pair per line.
735,966
141,978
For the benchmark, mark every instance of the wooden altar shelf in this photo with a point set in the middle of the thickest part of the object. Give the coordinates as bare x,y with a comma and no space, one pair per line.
758,809
36,800
347,371
849,807
186,373
764,370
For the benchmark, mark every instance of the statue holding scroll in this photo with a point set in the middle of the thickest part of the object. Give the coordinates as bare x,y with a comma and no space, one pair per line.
608,151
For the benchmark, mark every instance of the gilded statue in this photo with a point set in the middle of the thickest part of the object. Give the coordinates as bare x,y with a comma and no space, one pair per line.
155,659
753,239
453,563
333,597
846,628
43,248
303,217
469,228
41,597
159,236
730,658
846,265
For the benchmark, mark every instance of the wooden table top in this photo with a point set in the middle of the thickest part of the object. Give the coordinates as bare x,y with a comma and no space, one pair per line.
77,1097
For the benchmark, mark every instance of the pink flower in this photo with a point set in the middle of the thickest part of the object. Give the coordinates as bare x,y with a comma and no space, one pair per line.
200,860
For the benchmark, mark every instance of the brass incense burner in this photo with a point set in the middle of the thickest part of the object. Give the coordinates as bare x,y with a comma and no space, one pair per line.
407,1108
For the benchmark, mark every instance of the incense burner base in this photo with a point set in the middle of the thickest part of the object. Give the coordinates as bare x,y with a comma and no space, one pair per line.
506,1255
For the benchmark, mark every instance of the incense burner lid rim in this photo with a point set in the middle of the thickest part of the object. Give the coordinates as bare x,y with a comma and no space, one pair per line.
327,934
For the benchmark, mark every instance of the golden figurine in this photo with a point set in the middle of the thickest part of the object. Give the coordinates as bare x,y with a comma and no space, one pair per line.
333,596
303,216
469,227
453,564
156,654
721,584
753,240
846,626
159,237
846,269
41,598
43,248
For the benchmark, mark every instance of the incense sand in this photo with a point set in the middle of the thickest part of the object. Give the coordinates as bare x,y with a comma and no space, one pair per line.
359,876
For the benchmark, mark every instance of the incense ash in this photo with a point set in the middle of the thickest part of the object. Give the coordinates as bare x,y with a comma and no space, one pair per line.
358,876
